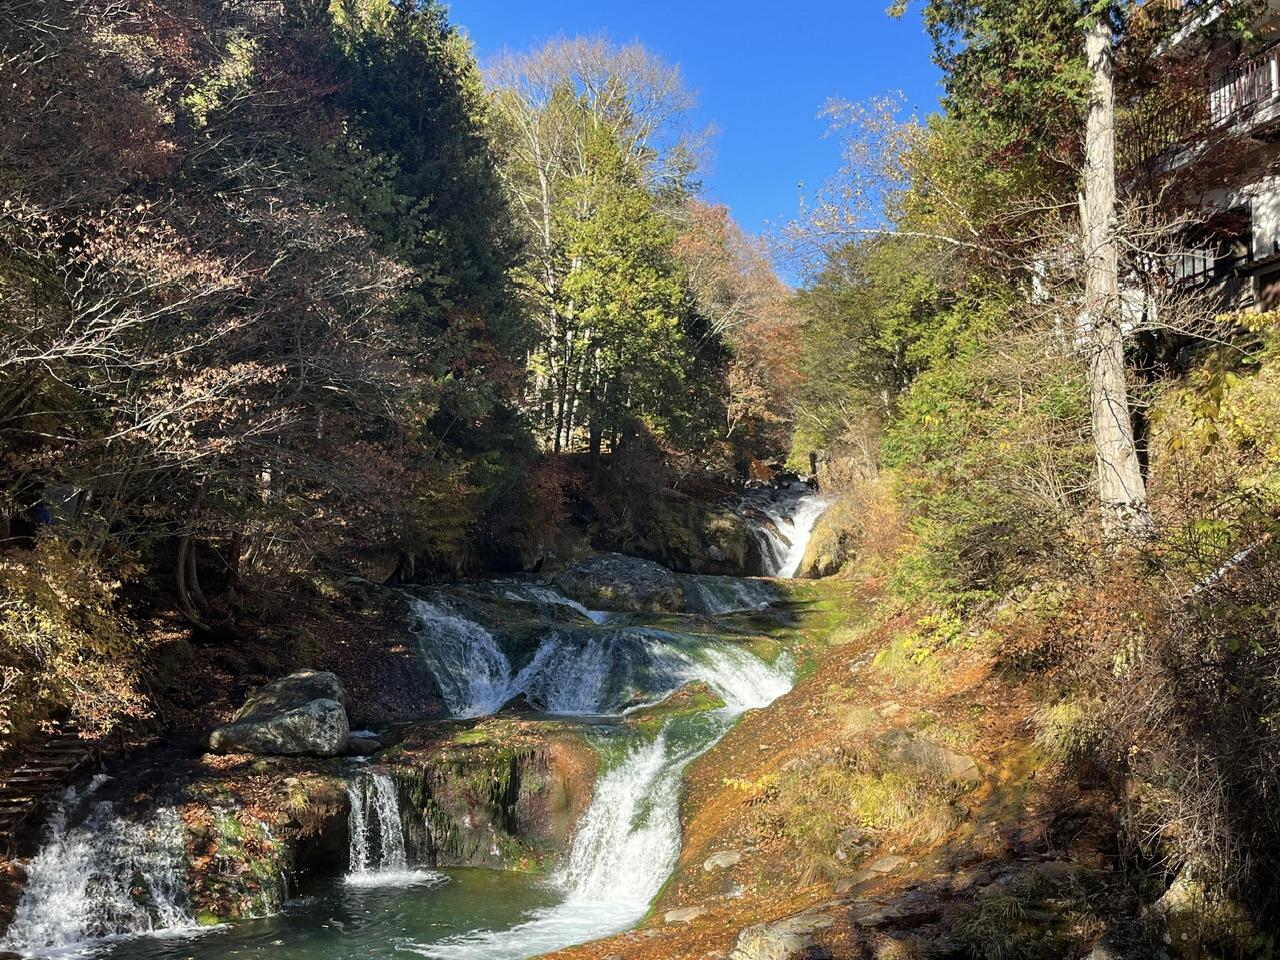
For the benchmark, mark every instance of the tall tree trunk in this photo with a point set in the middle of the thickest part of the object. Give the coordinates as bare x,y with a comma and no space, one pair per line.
1122,489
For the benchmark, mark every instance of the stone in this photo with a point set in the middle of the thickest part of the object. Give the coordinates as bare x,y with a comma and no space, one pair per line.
716,554
926,756
317,727
722,860
612,581
886,864
1056,872
788,939
1104,950
874,914
684,914
363,746
304,685
301,714
1196,913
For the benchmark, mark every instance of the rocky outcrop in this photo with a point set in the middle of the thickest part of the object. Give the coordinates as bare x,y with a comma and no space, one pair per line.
504,794
303,714
1202,920
787,939
833,543
612,581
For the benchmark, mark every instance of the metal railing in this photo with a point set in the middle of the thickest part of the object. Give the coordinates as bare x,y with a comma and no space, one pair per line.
1245,86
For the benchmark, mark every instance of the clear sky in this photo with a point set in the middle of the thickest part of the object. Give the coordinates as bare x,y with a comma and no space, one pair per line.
762,72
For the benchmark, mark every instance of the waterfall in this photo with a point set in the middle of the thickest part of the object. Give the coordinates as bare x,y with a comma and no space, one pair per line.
473,673
791,516
628,841
721,595
377,851
103,877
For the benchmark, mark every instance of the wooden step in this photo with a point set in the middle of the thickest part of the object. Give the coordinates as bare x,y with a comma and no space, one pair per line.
44,763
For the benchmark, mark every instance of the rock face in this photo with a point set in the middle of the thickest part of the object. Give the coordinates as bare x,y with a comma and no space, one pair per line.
303,714
612,581
503,794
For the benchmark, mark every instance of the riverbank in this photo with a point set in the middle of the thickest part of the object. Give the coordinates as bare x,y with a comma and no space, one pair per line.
881,806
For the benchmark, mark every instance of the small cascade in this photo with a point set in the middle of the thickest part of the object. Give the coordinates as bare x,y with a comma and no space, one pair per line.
720,595
629,838
788,520
549,598
377,850
103,877
473,673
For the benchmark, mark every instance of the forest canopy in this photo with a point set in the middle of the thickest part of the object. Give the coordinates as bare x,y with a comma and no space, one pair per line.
293,286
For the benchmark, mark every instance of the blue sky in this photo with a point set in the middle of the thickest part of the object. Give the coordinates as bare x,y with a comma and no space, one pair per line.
762,72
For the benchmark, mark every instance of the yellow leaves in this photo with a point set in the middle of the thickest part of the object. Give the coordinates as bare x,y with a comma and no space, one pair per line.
67,646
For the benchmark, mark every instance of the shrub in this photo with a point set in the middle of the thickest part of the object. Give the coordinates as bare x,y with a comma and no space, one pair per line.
66,648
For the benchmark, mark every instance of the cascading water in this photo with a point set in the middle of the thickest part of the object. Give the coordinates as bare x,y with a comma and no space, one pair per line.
721,595
106,876
789,518
473,673
629,839
377,850
626,845
550,598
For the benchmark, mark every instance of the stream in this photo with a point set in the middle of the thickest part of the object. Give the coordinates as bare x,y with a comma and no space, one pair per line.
595,666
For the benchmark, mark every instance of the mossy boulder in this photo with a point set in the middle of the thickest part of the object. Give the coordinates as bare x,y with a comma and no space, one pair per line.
1201,921
502,793
695,697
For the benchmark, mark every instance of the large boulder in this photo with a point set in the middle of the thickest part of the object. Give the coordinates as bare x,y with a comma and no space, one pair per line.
612,581
301,714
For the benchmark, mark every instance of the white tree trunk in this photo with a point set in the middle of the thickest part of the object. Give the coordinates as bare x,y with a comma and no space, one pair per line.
1122,490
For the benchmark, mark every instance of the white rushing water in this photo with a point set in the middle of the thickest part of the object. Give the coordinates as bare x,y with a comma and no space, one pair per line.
100,875
720,595
784,539
473,673
106,876
573,672
377,851
629,839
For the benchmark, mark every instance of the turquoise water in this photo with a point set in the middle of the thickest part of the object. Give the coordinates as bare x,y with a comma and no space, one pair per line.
338,921
624,848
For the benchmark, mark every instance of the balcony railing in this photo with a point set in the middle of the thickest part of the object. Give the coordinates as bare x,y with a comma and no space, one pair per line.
1244,87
